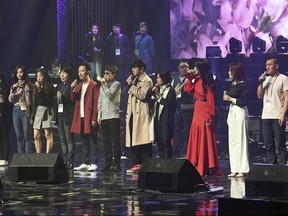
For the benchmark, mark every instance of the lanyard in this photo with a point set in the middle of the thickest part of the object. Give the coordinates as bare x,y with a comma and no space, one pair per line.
271,85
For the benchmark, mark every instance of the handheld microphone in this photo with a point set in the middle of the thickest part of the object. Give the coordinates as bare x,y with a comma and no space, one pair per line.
265,73
153,74
74,82
87,33
111,33
136,33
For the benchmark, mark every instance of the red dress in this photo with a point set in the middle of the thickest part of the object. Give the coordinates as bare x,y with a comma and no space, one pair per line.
202,149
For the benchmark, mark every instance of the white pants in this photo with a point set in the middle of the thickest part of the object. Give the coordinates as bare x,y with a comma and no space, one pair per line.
238,138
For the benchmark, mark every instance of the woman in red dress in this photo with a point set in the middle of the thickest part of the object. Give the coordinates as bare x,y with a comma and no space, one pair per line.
202,149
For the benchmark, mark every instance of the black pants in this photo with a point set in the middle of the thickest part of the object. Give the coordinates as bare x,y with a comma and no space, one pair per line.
111,141
140,152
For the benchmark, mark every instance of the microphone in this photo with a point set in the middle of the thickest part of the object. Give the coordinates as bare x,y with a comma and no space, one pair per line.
153,74
74,82
136,33
265,73
111,33
87,33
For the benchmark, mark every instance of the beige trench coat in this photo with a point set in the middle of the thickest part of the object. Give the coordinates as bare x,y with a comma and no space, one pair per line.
143,127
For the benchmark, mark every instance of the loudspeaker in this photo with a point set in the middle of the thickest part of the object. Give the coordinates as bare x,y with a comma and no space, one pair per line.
169,175
231,206
267,180
40,168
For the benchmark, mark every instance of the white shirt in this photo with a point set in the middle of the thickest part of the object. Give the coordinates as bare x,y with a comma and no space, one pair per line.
83,90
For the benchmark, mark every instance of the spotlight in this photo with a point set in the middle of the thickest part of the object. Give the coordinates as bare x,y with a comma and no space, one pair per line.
213,52
258,45
282,44
235,45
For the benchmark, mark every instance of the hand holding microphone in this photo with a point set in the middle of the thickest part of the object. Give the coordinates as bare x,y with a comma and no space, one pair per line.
73,85
262,78
155,89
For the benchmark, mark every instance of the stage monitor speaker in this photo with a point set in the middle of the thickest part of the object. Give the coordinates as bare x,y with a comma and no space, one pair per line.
169,175
267,180
40,168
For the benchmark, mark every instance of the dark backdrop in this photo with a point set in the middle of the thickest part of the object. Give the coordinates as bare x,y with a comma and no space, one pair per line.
28,33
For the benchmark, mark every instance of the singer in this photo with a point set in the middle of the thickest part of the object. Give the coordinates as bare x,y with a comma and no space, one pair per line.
21,94
93,51
5,121
144,46
118,51
42,112
165,104
202,137
274,92
237,120
84,121
139,124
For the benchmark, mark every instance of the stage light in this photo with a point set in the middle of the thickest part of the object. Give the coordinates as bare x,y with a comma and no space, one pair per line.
282,44
258,45
213,52
235,46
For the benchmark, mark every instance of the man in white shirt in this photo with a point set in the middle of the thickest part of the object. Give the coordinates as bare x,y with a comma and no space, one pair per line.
273,89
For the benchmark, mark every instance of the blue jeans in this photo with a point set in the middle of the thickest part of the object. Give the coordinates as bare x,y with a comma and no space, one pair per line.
67,140
274,138
23,130
89,146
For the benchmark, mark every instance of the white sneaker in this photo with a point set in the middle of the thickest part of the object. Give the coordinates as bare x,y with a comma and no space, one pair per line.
82,167
92,168
4,163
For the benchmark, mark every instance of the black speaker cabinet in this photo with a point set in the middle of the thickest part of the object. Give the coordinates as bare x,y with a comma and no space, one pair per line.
40,168
267,180
169,175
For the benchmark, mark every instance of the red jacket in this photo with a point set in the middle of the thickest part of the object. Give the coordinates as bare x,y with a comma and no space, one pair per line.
90,108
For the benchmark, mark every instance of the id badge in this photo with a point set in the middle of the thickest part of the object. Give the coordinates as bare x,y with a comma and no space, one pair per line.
117,51
268,102
60,108
137,52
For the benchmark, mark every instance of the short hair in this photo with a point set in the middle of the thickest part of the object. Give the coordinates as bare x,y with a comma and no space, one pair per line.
138,63
68,70
184,61
143,23
164,75
111,68
117,24
86,65
275,59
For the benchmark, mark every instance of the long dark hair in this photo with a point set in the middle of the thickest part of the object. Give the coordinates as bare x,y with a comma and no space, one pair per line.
239,71
206,76
46,83
25,74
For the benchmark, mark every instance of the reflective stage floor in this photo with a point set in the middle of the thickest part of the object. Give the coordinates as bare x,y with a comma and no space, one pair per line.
110,193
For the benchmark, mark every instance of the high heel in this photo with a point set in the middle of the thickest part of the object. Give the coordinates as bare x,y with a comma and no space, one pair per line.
232,174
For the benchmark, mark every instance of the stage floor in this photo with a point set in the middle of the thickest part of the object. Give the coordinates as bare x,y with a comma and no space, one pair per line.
111,193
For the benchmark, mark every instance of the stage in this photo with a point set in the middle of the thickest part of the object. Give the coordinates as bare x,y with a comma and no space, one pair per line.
112,193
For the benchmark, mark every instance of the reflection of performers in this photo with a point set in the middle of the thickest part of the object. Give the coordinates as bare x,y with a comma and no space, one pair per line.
184,110
237,120
144,46
273,89
118,51
92,51
202,150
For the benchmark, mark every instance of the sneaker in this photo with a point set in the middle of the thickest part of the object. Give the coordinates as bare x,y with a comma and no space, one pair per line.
92,168
136,167
82,167
4,163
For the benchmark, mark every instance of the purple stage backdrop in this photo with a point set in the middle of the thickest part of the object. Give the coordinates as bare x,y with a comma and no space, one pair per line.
196,24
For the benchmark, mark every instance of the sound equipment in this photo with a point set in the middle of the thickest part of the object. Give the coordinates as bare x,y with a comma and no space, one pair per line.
267,180
40,168
231,206
169,175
